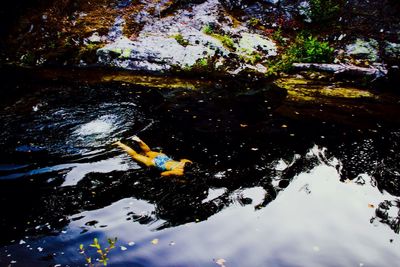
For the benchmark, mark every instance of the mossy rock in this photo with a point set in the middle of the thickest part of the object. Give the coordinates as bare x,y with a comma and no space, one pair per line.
300,89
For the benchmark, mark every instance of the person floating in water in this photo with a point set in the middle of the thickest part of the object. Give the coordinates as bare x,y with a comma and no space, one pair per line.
155,159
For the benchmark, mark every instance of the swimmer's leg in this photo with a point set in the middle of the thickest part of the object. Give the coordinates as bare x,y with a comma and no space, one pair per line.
136,156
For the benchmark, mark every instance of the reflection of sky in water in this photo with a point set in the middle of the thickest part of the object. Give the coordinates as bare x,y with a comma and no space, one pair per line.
74,172
316,221
326,225
79,171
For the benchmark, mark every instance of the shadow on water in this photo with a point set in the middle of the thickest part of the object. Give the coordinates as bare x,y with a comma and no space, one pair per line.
257,158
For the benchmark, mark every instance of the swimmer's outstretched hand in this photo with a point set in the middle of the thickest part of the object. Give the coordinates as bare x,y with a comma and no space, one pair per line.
136,138
118,143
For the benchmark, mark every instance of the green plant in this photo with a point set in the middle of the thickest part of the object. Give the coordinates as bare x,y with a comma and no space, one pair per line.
227,41
254,22
208,29
182,41
322,10
28,59
102,253
308,49
201,65
252,58
278,37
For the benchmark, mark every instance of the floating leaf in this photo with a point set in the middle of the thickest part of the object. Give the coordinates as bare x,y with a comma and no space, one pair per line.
221,262
154,241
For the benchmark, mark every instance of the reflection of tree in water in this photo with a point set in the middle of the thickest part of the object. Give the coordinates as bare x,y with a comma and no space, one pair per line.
378,157
387,176
388,212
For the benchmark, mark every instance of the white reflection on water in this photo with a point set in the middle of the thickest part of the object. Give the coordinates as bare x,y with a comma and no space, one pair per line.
101,126
79,170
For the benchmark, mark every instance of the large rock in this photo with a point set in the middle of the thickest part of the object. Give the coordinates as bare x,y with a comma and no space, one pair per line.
271,13
180,42
392,51
362,49
152,53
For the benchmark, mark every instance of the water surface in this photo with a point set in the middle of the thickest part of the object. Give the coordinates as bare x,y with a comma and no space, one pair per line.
277,182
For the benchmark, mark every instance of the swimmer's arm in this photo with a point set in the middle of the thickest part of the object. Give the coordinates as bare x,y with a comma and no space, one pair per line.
177,172
142,144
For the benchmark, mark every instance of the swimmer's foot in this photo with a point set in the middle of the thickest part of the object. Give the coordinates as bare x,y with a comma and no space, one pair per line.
136,138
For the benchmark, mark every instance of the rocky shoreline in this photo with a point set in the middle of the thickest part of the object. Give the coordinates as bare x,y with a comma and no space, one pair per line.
226,38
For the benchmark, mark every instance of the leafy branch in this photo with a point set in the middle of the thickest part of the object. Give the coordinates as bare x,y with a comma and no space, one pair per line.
102,253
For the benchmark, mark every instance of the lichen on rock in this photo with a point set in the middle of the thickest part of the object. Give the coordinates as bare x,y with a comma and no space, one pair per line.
250,42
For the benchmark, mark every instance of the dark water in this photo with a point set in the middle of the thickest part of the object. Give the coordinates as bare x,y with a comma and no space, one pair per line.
276,183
